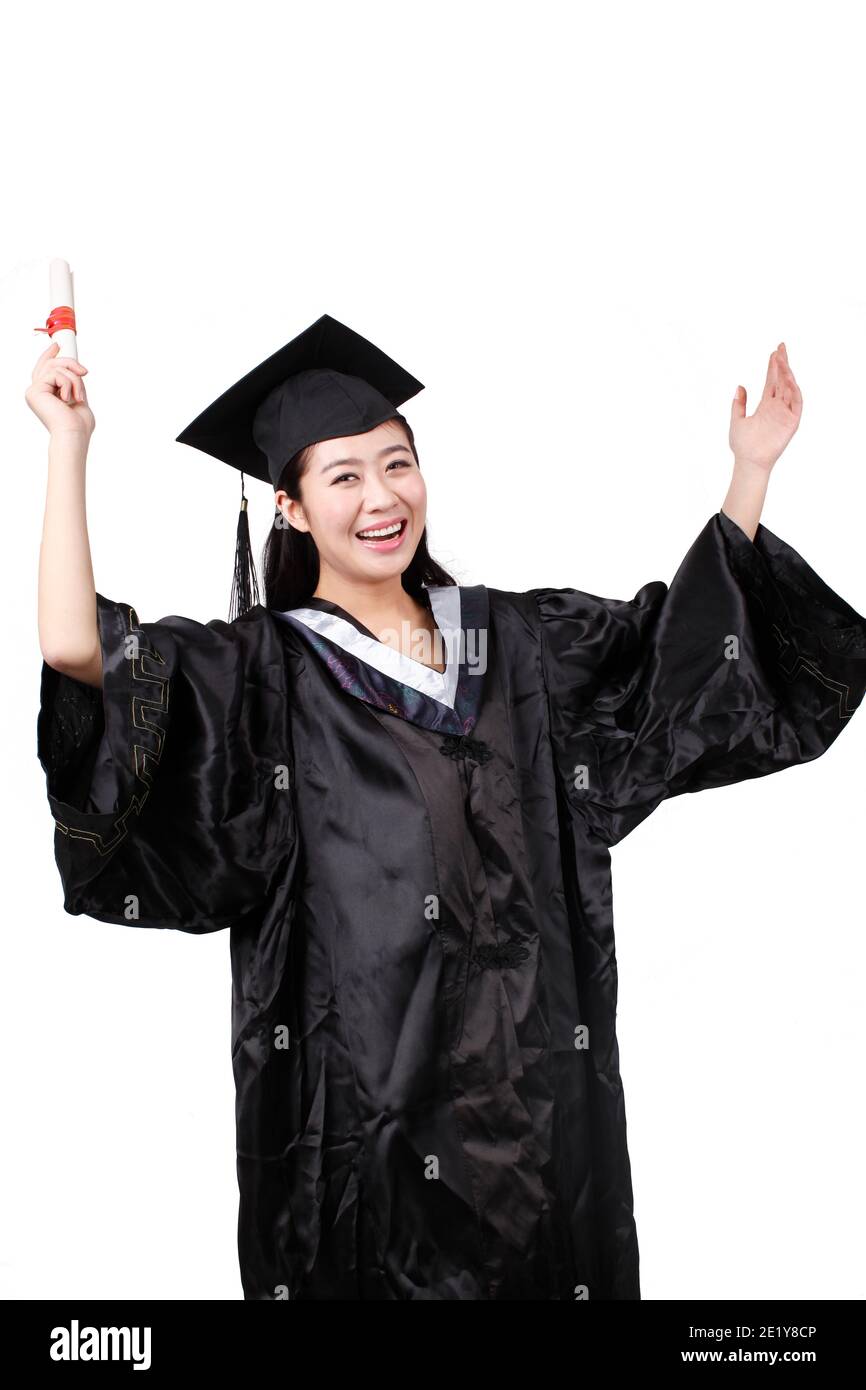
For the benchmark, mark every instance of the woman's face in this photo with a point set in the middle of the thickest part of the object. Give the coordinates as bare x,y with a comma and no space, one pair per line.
361,483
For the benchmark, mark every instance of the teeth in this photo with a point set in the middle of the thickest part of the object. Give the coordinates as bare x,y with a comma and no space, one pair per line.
387,531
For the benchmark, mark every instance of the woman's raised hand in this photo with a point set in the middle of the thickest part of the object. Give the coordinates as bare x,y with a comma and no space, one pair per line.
57,397
759,439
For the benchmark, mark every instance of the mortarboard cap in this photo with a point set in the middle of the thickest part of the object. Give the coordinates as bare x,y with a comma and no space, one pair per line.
326,383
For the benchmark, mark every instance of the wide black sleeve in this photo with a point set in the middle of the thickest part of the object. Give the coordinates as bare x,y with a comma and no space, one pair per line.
747,664
170,786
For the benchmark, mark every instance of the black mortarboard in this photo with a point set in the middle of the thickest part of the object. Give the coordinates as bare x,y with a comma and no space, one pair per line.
326,383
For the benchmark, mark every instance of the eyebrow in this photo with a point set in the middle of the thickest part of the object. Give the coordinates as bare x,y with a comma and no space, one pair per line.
391,449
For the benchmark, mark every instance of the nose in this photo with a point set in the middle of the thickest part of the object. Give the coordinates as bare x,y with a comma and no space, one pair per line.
378,495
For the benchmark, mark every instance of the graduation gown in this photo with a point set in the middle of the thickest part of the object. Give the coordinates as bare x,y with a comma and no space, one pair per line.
414,870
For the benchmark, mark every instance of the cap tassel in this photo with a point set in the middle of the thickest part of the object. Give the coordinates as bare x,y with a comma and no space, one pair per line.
245,585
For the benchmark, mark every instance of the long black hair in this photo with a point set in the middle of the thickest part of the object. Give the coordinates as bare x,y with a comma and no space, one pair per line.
290,558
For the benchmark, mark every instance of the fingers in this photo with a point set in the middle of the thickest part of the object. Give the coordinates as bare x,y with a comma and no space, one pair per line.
63,382
70,387
785,387
780,383
63,374
783,371
71,362
777,368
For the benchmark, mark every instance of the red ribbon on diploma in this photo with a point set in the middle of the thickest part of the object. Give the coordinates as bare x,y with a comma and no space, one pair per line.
61,317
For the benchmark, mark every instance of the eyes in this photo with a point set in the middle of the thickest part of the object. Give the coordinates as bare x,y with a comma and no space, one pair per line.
395,463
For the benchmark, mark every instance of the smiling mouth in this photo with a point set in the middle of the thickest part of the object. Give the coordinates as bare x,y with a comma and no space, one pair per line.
383,537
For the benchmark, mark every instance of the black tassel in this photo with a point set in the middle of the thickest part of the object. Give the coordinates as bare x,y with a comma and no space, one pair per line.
245,585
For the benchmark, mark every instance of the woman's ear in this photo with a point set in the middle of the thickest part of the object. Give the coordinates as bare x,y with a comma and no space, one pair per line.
291,511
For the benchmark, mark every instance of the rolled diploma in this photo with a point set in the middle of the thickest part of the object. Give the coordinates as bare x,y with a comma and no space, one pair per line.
60,286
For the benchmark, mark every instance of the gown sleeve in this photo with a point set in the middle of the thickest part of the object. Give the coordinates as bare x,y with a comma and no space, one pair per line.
170,786
747,664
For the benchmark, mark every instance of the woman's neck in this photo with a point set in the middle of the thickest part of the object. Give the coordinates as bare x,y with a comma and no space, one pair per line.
388,611
372,604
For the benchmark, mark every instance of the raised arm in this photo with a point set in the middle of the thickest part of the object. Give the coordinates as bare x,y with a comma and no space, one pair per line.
68,630
758,440
747,664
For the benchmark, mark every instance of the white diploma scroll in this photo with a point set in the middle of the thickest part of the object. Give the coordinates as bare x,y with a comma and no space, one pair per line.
61,292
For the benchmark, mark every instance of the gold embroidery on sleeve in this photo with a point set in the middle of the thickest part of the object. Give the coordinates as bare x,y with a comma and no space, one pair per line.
145,711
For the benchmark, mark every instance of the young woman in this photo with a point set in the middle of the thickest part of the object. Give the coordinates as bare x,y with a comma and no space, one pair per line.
399,794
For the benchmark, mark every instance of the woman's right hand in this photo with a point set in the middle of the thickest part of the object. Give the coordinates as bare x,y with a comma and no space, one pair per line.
57,397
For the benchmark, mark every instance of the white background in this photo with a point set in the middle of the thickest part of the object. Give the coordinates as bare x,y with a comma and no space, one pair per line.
581,227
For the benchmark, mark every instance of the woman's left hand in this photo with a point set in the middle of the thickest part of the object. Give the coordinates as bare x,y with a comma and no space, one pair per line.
759,439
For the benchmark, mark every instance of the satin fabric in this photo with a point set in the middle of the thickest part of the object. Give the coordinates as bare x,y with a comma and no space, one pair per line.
422,907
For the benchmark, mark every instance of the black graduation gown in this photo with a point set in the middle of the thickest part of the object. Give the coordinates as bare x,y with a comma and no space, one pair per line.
418,890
